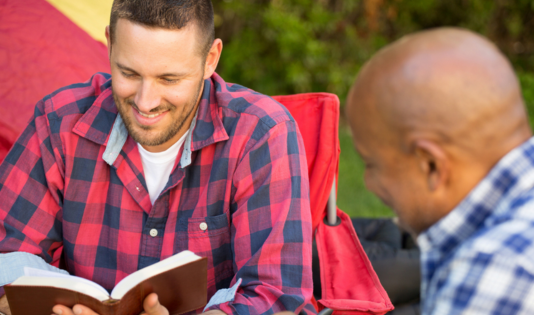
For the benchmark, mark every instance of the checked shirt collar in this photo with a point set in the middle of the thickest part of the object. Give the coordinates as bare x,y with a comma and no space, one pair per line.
207,116
484,205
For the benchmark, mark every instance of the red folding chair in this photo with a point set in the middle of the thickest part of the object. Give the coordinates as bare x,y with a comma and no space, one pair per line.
349,284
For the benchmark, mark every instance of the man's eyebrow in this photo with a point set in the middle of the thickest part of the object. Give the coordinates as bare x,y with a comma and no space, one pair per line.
122,67
167,74
171,74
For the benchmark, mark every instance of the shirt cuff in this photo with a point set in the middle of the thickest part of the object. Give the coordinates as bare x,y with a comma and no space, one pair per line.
223,295
2,291
13,266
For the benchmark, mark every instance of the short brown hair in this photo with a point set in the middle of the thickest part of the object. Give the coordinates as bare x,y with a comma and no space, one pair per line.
169,14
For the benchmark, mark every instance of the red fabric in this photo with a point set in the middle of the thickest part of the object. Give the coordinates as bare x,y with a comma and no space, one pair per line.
41,50
317,115
349,283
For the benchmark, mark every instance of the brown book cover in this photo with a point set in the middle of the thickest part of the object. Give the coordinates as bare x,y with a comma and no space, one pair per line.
181,289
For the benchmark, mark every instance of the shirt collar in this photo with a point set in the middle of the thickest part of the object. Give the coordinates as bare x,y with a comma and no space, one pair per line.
509,177
206,128
95,124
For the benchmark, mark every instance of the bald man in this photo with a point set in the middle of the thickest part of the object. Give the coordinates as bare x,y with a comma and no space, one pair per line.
440,122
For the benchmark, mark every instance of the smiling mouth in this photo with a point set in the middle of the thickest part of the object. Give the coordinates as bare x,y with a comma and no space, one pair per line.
150,116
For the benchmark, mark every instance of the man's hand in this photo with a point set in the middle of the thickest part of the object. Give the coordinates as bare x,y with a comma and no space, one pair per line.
4,306
151,306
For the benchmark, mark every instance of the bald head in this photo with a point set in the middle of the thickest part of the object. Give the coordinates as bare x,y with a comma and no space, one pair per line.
448,83
431,114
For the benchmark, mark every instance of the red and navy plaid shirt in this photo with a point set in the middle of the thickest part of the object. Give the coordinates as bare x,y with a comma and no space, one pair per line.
242,173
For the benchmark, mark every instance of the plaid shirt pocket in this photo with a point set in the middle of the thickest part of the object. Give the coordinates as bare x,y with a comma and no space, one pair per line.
209,237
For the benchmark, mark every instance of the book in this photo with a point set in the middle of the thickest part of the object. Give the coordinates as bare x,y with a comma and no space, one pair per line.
180,282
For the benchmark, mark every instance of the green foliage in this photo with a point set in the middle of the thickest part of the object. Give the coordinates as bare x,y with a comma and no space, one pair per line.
527,84
286,47
295,46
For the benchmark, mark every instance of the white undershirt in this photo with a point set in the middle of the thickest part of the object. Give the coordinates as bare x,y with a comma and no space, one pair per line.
158,166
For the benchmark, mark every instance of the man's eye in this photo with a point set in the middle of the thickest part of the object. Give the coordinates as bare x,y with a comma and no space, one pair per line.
127,75
170,81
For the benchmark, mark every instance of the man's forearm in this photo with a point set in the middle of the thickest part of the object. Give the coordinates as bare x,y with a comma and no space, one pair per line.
4,306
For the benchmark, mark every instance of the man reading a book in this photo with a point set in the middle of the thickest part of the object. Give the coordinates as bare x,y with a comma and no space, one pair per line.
124,170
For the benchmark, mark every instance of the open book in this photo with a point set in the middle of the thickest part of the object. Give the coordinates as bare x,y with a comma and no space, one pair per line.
180,282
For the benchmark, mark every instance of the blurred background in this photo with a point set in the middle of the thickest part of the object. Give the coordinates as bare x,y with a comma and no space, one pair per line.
272,46
295,46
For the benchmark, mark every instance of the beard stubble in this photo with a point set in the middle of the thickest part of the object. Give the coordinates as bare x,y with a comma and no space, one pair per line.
139,132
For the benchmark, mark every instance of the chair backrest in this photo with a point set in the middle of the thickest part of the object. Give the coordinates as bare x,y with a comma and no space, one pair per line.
317,116
349,284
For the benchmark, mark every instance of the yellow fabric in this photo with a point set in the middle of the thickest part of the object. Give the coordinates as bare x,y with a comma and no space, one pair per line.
90,15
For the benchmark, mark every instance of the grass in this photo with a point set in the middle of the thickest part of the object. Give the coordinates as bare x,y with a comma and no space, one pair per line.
354,198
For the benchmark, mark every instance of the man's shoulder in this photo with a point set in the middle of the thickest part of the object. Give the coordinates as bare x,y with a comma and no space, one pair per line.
76,98
244,101
508,238
495,265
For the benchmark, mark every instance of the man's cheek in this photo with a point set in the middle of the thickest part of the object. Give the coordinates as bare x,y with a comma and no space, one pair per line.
124,88
378,189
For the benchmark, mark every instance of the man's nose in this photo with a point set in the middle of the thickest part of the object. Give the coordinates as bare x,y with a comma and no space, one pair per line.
147,96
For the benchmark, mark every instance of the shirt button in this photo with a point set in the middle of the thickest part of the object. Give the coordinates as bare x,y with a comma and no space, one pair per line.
203,226
153,232
138,189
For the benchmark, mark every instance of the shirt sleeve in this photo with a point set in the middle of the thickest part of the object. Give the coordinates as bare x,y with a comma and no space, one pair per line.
31,185
271,227
483,283
13,267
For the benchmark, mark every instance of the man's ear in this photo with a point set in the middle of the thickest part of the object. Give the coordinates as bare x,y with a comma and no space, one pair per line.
108,39
433,162
212,58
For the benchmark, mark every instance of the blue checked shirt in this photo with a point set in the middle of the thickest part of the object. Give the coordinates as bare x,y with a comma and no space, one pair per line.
479,259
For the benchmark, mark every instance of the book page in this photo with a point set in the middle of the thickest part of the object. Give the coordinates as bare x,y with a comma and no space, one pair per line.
137,277
33,272
64,282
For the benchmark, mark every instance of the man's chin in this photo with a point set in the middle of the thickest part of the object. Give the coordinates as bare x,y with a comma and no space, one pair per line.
151,138
148,142
146,137
403,225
